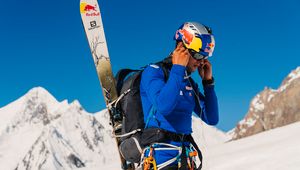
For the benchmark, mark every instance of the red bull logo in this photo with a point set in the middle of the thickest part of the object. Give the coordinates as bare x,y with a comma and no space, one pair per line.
187,37
89,10
210,45
209,48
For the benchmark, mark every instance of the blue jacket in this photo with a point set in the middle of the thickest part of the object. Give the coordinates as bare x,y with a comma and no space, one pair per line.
174,100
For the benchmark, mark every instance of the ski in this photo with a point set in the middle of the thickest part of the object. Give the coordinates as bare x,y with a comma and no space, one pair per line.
93,26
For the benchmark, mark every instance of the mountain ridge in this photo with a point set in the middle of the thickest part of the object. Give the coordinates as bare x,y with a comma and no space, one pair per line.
54,134
272,108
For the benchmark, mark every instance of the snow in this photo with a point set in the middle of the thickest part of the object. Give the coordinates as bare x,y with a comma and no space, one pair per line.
275,149
207,135
295,74
12,151
36,95
270,97
257,104
38,132
8,112
250,122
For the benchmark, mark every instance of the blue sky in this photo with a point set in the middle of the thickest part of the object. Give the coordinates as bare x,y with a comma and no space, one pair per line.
43,44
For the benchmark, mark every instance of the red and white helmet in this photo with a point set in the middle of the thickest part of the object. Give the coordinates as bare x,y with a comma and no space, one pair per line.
197,38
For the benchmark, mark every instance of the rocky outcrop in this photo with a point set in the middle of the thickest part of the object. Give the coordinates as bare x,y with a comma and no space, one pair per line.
272,108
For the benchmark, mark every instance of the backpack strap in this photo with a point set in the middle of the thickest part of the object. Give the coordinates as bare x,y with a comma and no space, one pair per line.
151,114
121,76
166,65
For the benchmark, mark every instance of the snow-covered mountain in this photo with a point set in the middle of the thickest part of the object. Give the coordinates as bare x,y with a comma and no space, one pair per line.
38,132
272,108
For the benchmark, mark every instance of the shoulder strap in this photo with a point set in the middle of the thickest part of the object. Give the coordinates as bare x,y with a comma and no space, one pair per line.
166,65
120,77
151,113
165,70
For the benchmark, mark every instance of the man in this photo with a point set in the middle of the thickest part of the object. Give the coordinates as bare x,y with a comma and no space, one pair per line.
168,104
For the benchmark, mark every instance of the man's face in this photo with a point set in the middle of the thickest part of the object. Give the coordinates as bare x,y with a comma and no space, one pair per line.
193,64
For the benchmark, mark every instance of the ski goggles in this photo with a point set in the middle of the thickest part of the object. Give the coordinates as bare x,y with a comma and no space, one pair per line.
201,46
196,55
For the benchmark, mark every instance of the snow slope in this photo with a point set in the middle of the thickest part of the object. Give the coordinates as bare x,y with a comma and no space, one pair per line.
206,135
276,149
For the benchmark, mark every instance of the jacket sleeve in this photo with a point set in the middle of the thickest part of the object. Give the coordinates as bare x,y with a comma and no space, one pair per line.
163,95
209,111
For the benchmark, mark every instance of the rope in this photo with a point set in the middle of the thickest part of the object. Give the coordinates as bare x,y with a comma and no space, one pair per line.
129,133
116,101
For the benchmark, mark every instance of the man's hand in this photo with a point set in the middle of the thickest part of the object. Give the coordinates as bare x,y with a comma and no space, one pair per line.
180,55
205,70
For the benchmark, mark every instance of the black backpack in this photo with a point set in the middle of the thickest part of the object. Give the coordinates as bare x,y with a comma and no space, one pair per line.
130,107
